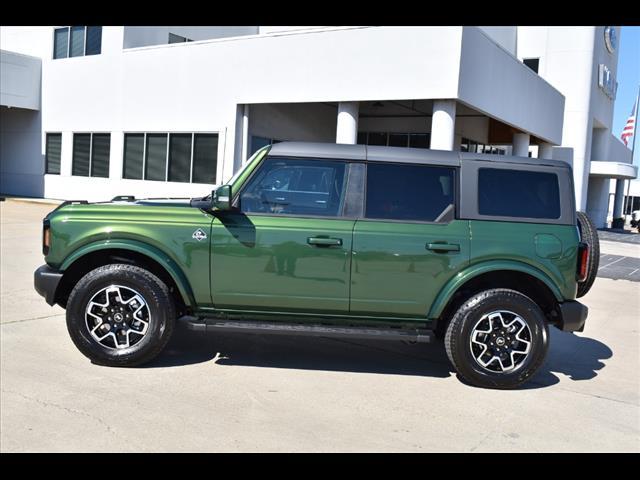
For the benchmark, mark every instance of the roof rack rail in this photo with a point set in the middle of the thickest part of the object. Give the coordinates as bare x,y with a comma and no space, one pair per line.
123,198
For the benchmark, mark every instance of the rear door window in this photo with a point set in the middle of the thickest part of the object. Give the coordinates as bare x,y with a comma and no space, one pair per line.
518,193
410,192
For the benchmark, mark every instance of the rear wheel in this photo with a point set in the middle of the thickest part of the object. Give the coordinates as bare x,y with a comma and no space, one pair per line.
120,315
497,339
588,235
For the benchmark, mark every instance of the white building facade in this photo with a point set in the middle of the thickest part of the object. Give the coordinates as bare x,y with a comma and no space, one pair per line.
95,112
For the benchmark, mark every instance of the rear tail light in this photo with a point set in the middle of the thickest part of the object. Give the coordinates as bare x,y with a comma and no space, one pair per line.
46,237
583,262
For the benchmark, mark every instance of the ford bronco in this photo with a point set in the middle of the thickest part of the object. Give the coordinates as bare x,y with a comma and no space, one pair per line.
483,251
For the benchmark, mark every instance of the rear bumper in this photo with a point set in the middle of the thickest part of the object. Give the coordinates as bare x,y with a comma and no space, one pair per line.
45,281
574,316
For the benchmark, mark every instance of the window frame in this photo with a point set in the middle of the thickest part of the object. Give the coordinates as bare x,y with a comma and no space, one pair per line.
351,190
84,41
90,154
456,195
167,155
469,205
46,154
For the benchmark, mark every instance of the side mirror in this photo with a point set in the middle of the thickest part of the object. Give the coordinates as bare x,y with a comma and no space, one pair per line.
222,197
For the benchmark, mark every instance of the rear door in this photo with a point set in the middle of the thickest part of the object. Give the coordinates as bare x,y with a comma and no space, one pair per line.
409,243
288,245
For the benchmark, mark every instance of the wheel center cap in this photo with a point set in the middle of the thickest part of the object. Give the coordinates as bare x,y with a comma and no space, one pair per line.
500,341
118,317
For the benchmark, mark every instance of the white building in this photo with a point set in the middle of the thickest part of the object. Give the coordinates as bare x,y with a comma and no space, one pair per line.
94,112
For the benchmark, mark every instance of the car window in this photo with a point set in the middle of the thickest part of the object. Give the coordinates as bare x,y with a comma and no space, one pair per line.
518,193
409,192
295,187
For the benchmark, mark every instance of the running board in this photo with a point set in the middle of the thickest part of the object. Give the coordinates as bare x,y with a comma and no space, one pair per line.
313,330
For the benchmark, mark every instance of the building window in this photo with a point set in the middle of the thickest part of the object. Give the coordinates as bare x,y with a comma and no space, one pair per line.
532,63
394,139
173,38
91,154
52,155
173,157
467,145
77,41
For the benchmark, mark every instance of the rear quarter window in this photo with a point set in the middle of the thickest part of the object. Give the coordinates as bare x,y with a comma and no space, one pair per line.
518,193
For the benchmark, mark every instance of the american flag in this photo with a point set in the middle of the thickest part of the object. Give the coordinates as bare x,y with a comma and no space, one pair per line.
627,131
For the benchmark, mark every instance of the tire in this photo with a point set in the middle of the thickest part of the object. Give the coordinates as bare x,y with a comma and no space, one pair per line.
588,235
473,315
107,287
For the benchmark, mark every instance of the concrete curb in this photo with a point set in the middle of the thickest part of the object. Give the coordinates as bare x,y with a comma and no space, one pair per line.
44,201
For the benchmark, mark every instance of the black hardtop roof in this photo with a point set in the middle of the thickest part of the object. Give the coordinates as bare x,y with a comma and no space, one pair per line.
398,154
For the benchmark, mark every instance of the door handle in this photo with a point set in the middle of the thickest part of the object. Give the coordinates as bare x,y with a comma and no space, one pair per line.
443,247
324,241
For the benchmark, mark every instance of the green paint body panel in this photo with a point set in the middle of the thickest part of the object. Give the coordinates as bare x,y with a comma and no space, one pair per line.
395,274
266,262
161,230
287,267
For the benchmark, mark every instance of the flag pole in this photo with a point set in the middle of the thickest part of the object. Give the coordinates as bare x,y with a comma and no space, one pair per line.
633,146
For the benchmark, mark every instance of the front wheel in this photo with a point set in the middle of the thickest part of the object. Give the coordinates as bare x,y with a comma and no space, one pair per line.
120,315
497,339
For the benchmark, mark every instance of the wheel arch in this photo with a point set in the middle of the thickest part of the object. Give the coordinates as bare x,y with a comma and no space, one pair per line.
133,252
523,278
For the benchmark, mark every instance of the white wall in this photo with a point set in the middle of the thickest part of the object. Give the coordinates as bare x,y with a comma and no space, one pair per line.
19,80
506,37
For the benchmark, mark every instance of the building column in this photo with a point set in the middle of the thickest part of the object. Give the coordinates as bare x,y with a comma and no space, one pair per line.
347,125
618,199
521,144
245,134
545,150
443,124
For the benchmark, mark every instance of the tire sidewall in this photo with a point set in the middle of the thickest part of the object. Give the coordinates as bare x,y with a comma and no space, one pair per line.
95,281
532,316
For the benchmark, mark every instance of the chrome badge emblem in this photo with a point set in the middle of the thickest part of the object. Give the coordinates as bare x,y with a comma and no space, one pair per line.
199,235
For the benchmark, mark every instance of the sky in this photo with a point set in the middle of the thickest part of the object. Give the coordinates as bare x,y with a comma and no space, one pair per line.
628,76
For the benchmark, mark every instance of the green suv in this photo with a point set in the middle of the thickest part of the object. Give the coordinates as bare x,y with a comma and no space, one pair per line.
330,240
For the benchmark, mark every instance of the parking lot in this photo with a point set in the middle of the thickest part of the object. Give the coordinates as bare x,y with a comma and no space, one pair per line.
234,392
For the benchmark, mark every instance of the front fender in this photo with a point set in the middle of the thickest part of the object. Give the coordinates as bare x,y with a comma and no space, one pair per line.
172,268
480,268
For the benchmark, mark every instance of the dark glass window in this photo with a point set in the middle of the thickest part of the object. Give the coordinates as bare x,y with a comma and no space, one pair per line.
94,40
295,187
180,157
205,157
61,42
409,192
77,42
398,139
173,38
362,138
377,138
518,193
419,140
53,150
532,63
81,154
100,150
156,161
133,155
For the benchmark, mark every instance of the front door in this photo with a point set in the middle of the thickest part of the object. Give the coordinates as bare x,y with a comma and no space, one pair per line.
287,245
409,244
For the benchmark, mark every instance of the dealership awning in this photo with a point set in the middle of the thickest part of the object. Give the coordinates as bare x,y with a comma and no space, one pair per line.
613,170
